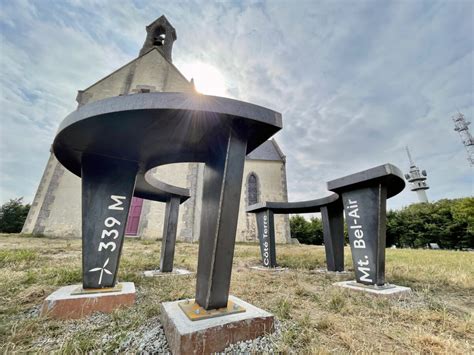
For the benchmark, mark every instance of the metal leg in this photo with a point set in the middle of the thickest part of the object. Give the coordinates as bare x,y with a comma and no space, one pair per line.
220,207
333,232
266,236
366,219
107,190
168,240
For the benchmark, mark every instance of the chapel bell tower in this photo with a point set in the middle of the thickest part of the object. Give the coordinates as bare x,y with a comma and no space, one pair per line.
160,35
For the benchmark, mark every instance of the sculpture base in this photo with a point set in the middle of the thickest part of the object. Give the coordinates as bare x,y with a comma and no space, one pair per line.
175,272
335,273
264,268
195,312
72,302
385,290
211,335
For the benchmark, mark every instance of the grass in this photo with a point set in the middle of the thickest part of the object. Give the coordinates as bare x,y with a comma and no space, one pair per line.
315,316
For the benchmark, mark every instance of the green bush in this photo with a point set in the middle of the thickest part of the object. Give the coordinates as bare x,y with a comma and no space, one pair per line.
307,232
449,223
13,215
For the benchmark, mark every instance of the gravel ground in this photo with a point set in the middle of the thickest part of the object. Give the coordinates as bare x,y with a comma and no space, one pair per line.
148,338
264,344
73,327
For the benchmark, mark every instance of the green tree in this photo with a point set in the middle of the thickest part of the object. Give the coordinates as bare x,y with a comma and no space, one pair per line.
300,229
13,215
316,231
307,232
449,223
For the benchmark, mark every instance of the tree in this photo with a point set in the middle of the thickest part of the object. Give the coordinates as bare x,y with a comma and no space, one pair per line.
307,232
300,229
316,231
449,223
13,215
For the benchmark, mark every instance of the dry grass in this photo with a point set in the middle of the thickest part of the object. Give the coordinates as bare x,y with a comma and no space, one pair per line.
316,316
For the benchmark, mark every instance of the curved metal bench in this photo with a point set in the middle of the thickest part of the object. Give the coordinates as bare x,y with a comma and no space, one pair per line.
362,196
113,144
333,227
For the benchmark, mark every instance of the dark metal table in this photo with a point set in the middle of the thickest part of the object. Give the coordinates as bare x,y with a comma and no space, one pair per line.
114,143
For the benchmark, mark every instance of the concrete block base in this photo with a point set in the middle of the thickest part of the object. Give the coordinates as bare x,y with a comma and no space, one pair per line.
213,334
385,290
175,272
67,303
271,269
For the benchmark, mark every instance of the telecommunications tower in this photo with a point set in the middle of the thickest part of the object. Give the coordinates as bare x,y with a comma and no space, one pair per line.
417,180
461,126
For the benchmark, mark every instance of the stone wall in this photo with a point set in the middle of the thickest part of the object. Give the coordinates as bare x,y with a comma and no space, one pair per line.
271,187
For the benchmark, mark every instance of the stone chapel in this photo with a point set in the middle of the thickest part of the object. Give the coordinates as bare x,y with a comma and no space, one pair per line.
56,208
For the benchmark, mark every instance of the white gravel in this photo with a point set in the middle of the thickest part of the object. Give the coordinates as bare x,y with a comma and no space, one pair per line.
148,338
265,344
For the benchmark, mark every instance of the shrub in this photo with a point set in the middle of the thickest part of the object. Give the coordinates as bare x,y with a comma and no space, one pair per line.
307,232
13,215
449,223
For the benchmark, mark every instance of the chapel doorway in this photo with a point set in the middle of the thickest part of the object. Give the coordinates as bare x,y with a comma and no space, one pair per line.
133,220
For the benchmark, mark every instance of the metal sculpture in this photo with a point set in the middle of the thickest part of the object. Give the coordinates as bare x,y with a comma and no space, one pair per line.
170,226
333,227
363,198
114,143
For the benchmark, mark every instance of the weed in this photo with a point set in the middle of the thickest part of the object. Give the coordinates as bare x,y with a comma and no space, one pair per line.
337,302
12,258
283,308
323,324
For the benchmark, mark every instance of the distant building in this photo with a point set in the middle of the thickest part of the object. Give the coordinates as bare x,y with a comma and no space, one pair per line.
417,180
56,208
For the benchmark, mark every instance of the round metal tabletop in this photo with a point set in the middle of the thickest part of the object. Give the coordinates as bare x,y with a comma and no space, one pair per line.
154,129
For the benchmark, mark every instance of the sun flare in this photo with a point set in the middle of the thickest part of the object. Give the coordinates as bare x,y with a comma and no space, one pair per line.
207,78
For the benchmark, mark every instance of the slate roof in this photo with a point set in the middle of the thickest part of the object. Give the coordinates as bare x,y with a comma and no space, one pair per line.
267,151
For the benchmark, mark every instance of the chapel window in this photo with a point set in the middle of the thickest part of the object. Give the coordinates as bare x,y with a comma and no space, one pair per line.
252,189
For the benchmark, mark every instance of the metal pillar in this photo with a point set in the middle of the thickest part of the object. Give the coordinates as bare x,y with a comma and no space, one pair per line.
168,240
220,206
366,219
266,237
333,233
107,190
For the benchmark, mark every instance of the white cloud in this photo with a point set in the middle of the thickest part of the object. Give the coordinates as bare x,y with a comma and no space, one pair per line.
356,81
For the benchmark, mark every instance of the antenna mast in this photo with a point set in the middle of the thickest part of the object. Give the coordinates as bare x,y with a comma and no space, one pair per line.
462,127
417,179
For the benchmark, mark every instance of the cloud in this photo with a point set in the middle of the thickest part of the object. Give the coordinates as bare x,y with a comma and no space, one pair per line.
356,81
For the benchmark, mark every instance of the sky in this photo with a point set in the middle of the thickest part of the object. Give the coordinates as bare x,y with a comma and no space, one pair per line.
355,81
